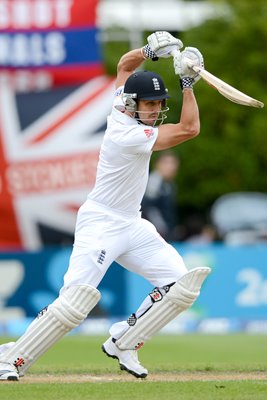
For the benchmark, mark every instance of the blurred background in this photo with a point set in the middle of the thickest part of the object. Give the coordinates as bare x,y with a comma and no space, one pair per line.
57,66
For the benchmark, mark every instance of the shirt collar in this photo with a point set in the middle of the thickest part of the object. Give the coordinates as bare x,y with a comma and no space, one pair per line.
122,117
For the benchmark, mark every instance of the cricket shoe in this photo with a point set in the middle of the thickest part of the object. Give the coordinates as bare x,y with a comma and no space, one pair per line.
128,359
6,346
8,372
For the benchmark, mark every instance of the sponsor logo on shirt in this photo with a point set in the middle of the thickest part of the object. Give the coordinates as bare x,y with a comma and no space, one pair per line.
101,257
149,133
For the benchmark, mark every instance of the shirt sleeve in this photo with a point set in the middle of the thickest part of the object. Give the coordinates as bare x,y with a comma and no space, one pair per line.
139,139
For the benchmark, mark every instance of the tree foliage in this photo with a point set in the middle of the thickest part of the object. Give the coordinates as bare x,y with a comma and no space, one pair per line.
230,153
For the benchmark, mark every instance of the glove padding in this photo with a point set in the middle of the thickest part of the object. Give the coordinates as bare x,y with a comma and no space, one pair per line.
181,61
163,44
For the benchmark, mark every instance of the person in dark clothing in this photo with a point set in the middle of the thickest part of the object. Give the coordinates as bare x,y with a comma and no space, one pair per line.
159,204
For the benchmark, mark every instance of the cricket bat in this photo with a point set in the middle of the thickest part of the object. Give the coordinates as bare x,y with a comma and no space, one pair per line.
224,88
227,90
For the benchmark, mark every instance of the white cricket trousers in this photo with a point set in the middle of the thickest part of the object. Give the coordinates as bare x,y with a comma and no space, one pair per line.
103,236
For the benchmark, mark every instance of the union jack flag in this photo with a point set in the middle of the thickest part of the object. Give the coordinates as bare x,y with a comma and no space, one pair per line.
49,146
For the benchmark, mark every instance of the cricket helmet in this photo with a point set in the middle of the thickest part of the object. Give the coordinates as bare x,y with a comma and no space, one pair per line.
143,85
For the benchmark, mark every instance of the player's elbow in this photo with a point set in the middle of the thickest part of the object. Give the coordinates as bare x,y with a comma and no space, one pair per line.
120,65
192,130
123,65
195,131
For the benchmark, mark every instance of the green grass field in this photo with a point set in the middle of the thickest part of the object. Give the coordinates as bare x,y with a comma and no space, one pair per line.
183,367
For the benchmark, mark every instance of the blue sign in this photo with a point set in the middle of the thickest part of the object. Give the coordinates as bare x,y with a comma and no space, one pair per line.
48,49
235,289
30,281
237,286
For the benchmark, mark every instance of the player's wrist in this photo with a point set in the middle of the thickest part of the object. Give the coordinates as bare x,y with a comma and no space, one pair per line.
186,83
148,53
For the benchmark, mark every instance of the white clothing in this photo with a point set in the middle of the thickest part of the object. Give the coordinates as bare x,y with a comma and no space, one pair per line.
109,224
109,228
103,236
123,167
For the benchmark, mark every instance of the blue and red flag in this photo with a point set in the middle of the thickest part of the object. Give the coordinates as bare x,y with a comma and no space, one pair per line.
54,99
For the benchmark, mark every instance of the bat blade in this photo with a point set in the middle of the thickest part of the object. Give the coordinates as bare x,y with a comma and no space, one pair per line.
227,90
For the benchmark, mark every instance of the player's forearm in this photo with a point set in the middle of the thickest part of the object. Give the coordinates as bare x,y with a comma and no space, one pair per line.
131,60
170,135
190,113
128,63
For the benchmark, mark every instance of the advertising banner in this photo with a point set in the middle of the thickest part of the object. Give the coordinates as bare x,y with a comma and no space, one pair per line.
46,43
233,297
29,281
54,101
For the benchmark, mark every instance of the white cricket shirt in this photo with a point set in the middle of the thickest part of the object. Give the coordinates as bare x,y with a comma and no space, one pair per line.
123,166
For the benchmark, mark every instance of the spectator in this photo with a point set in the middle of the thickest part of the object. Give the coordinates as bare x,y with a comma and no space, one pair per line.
159,204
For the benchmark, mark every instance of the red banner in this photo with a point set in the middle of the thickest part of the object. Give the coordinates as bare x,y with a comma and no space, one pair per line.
54,101
46,43
46,14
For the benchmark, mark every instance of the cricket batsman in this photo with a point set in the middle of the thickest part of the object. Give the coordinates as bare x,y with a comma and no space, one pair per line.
110,226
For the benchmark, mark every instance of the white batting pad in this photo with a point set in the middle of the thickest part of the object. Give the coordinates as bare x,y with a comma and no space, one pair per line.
180,297
65,313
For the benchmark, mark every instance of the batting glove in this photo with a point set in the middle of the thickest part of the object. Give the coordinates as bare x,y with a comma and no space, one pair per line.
162,44
183,62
